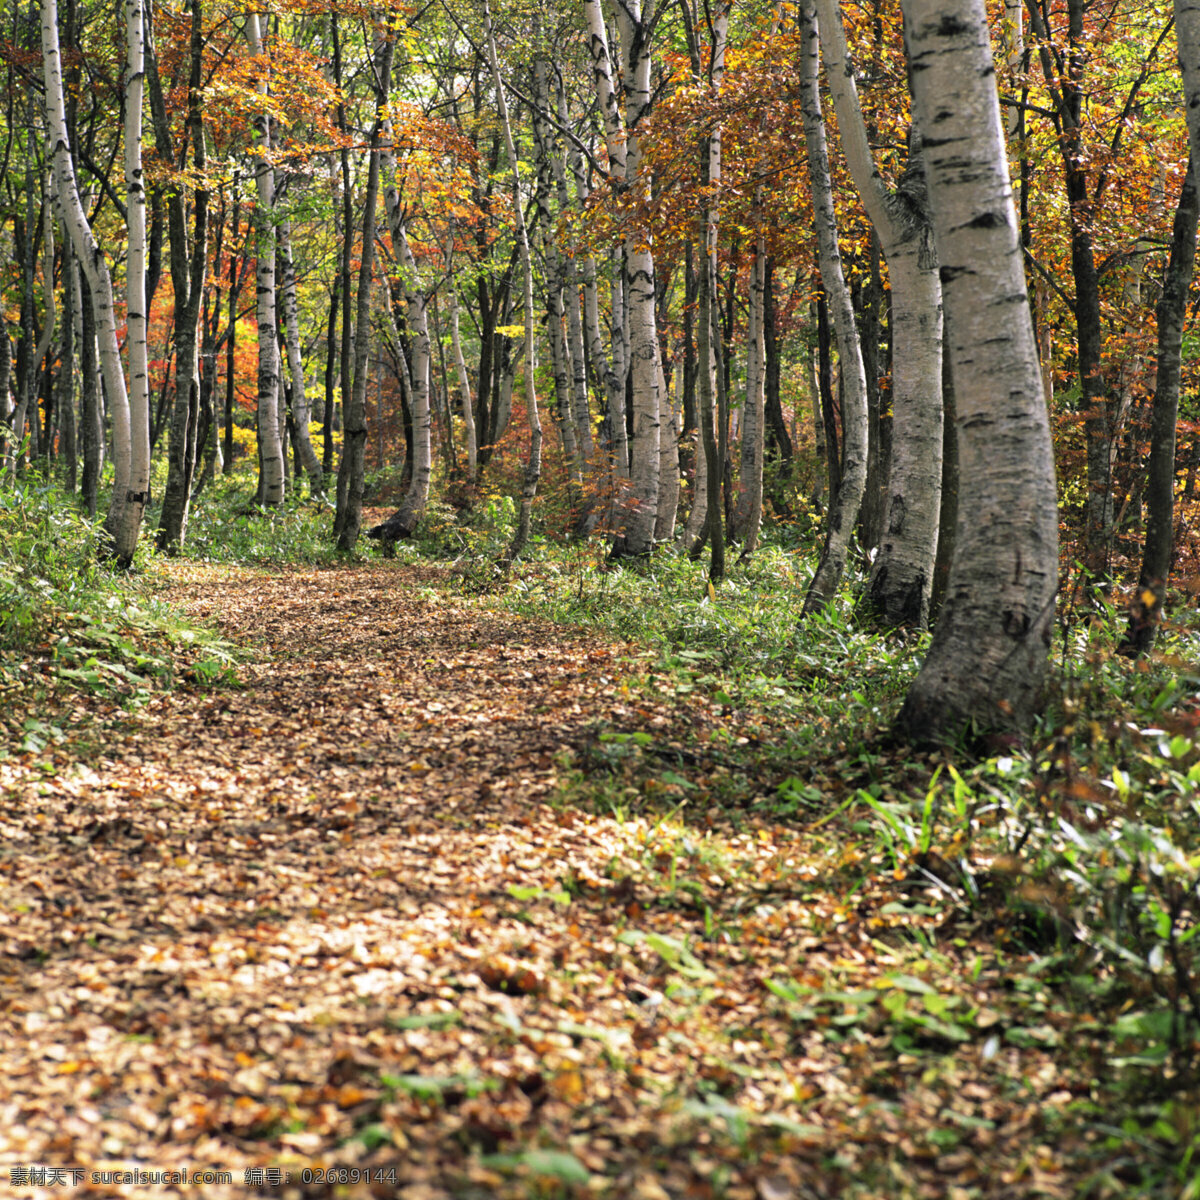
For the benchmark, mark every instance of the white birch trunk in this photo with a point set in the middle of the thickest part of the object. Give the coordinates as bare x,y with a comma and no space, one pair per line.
580,410
988,657
404,521
91,258
615,145
560,361
902,573
607,374
1187,32
135,276
843,508
271,488
634,19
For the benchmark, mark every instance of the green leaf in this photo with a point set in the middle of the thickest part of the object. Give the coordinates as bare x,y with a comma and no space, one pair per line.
910,983
558,1164
437,1020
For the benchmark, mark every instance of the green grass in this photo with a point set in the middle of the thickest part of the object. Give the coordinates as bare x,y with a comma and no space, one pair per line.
70,622
1075,857
224,526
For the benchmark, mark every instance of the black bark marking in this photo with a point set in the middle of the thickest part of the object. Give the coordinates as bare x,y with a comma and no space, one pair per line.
1015,625
950,26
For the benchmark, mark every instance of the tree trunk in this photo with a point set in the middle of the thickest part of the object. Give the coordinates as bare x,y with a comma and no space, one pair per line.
555,284
668,490
778,442
65,383
129,490
1160,483
271,483
1187,32
188,279
348,519
903,568
533,468
291,327
635,20
987,661
748,514
1068,91
91,409
844,504
403,522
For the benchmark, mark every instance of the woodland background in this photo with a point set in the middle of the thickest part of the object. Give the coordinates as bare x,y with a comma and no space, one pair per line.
542,298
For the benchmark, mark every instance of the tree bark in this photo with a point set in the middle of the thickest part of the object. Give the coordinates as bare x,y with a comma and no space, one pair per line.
533,468
748,515
403,522
987,661
291,327
351,470
902,572
271,481
1187,33
91,409
844,504
1160,484
188,279
123,522
635,19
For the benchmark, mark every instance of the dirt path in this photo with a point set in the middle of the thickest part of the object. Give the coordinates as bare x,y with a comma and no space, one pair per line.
345,919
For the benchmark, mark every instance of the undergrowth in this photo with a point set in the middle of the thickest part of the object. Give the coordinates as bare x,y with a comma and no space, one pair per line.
69,622
1074,858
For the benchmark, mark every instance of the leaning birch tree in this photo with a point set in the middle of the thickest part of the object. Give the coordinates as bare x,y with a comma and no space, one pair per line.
987,661
131,436
902,573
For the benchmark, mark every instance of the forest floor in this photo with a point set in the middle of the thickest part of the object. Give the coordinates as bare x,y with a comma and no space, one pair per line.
357,927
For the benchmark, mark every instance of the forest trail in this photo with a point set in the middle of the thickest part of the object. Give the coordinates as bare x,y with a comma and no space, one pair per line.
349,916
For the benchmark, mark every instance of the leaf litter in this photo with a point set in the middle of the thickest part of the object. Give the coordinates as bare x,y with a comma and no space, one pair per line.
355,922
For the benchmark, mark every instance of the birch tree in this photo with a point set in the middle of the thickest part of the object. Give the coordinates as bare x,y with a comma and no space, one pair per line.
1187,33
902,573
608,368
403,521
635,21
131,437
844,503
987,661
291,336
271,481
